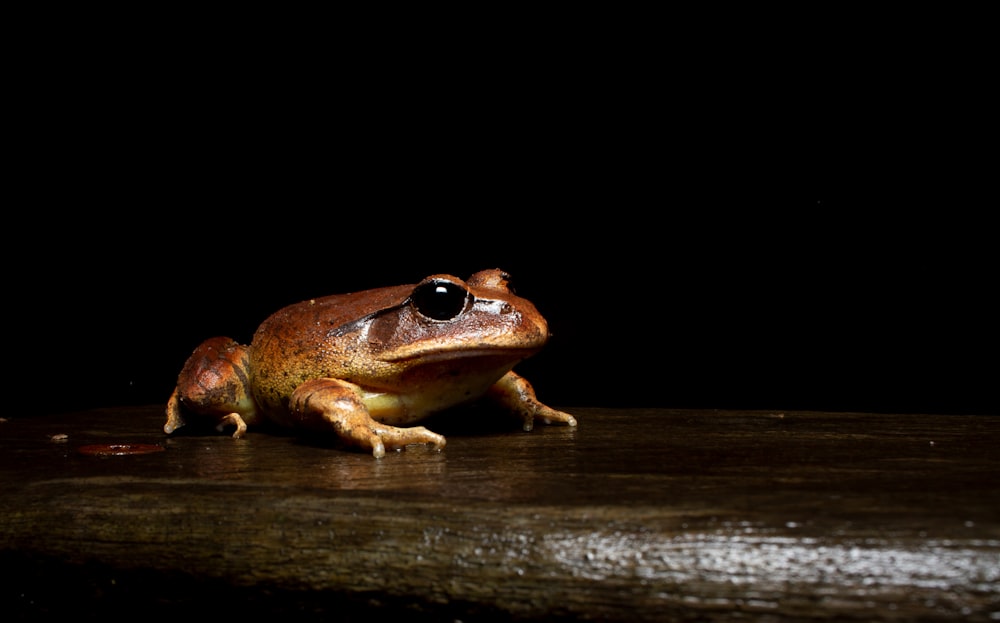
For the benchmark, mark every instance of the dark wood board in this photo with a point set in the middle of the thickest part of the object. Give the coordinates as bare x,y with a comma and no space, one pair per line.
638,514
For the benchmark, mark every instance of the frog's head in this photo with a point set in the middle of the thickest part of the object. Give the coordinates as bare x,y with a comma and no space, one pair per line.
445,318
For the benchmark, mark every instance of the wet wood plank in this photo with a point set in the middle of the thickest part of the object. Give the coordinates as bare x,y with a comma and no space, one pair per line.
648,514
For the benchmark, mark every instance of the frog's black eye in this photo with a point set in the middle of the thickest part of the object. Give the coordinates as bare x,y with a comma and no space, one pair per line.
439,299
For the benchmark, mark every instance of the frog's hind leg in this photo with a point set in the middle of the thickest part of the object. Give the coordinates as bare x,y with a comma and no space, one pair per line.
213,387
335,406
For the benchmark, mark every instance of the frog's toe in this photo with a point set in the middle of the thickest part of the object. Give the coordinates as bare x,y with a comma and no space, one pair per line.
548,415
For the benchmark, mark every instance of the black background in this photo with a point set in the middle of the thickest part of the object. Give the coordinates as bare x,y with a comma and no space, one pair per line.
769,229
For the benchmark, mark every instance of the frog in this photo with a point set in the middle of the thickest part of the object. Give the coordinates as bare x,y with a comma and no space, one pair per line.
370,366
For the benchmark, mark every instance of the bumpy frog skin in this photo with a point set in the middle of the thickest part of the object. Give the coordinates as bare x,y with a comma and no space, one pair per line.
362,365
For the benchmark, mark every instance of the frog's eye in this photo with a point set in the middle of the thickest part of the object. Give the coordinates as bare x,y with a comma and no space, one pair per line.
439,299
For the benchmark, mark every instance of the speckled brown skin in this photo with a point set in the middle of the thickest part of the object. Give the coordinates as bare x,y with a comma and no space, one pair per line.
360,364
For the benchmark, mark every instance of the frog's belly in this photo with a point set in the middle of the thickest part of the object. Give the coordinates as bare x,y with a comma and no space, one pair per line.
412,404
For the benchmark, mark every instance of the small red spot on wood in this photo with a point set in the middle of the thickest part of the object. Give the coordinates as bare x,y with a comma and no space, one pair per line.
120,449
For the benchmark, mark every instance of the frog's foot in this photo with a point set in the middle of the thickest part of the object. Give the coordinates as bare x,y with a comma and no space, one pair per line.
334,405
381,437
233,419
175,419
515,393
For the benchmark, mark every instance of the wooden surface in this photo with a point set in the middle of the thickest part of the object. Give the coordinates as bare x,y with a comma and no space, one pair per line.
635,515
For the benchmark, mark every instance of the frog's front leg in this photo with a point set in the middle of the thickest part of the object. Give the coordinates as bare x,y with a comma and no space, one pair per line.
514,393
335,405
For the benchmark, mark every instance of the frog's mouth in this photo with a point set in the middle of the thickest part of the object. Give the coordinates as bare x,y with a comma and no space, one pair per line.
438,354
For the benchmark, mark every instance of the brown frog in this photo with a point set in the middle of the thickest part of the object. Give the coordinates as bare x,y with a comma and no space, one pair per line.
362,365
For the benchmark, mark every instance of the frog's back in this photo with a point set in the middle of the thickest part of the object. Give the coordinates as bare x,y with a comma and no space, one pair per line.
312,339
335,312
